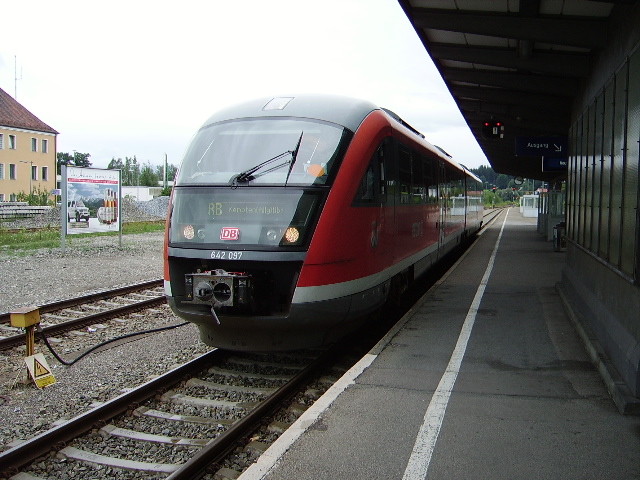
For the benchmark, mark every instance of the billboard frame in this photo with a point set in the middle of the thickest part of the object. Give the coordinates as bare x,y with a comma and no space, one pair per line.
90,181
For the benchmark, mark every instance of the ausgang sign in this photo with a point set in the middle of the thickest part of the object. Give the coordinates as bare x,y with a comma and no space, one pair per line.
541,146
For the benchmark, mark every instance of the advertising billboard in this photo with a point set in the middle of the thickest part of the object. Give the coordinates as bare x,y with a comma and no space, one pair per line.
91,200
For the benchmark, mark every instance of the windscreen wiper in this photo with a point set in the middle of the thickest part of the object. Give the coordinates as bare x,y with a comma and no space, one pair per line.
294,157
248,175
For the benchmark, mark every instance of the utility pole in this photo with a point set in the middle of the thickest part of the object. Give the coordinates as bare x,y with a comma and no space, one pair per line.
30,177
164,172
15,77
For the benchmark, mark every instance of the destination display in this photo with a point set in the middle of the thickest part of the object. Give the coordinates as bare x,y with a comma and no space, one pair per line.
246,208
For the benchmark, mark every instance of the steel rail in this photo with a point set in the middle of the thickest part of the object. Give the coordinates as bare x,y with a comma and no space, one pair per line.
15,458
72,302
216,450
16,340
493,214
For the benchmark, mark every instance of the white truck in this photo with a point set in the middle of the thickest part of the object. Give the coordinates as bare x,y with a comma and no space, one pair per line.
77,210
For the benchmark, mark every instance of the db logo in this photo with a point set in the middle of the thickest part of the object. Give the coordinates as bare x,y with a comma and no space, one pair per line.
229,233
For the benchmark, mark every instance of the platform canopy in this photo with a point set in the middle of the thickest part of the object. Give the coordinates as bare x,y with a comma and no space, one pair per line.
514,67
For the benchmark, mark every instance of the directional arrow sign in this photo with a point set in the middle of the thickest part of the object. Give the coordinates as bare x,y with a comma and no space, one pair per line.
541,146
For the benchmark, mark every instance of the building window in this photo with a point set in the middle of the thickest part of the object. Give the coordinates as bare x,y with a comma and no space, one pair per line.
12,142
12,171
1,141
34,172
45,174
1,171
13,197
1,197
34,144
45,146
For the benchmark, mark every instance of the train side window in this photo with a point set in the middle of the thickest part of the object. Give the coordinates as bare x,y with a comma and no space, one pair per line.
366,190
372,188
417,180
404,175
430,181
380,160
369,183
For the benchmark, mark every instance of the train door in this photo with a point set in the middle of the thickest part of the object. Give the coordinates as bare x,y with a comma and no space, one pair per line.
443,194
465,186
432,222
386,223
373,192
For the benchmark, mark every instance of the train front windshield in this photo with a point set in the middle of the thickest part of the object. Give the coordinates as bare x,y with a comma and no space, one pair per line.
255,183
252,152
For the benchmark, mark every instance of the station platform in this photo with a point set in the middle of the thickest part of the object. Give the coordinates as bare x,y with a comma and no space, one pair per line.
485,378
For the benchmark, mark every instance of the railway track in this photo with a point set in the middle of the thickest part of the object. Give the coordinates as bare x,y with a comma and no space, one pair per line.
490,215
178,428
75,313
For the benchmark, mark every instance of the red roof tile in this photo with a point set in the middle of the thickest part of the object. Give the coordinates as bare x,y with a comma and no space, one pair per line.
12,114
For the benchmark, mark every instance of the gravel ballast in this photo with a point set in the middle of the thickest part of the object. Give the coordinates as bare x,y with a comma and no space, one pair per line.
87,265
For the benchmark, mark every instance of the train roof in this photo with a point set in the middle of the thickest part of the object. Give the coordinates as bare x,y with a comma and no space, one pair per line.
345,111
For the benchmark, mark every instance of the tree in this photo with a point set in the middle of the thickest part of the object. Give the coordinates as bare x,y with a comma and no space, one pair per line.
76,160
135,174
486,174
64,159
81,159
172,170
38,196
147,176
130,170
502,181
116,164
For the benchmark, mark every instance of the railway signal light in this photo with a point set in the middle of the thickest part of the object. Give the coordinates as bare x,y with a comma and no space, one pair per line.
492,129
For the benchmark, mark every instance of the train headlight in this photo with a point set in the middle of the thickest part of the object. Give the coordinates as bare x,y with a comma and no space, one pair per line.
272,234
291,235
188,232
280,236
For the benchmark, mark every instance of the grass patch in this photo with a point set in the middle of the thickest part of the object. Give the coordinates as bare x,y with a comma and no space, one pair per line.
50,237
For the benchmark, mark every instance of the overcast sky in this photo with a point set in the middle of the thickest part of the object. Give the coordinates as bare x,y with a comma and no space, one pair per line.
125,78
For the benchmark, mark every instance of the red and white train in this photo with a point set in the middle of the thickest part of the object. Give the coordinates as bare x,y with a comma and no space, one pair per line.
294,218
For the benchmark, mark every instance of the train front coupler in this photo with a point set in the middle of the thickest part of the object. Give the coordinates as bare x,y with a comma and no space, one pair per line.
220,289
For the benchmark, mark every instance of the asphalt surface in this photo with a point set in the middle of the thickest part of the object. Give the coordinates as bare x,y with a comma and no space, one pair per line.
483,380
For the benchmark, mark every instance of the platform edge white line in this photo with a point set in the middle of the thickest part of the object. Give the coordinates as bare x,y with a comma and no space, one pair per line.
424,446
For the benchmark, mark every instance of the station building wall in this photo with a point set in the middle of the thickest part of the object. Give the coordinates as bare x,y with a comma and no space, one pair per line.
601,276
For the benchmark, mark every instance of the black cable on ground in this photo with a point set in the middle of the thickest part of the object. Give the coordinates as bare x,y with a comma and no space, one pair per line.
46,341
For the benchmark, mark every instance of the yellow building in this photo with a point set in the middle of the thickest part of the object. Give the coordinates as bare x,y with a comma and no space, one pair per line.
27,151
